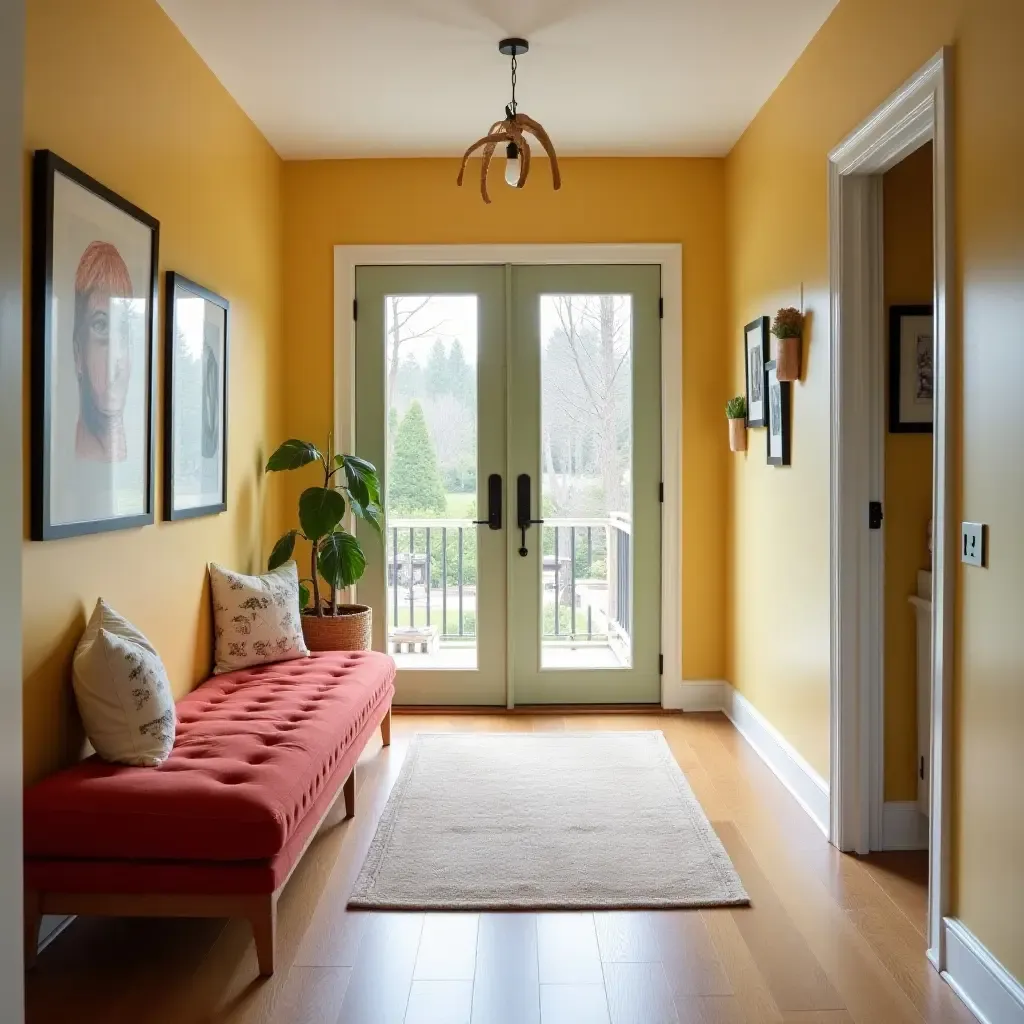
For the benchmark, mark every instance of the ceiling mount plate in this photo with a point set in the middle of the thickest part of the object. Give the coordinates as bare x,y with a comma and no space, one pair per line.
513,47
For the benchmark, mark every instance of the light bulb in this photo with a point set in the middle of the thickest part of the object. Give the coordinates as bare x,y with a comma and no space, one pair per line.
512,164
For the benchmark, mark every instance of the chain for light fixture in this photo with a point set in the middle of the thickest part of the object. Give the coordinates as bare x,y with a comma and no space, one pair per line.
510,131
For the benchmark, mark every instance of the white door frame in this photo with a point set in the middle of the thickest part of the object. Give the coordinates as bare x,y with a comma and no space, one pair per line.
916,113
670,259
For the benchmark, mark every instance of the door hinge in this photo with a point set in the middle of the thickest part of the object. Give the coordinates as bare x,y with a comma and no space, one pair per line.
875,516
661,492
355,309
921,769
661,308
661,664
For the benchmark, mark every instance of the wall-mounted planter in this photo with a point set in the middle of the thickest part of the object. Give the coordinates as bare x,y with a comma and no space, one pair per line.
787,361
788,330
737,435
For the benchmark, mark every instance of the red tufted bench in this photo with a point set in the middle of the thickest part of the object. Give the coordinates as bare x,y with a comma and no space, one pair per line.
216,831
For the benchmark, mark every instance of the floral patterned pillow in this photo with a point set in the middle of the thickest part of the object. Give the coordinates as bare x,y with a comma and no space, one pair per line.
122,691
256,619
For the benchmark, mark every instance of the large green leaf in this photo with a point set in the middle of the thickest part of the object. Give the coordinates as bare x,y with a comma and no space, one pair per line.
282,550
291,455
361,477
305,593
341,561
320,511
368,513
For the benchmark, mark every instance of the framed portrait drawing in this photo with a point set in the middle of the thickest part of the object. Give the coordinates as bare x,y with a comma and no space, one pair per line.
195,400
755,341
94,265
779,416
911,369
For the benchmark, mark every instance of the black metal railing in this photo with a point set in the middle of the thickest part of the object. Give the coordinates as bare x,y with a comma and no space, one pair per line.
586,565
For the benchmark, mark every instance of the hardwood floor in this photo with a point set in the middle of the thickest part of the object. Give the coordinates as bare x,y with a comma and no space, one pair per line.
828,939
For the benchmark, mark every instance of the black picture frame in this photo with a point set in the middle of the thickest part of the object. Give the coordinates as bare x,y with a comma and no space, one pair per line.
175,282
46,166
757,407
785,415
899,421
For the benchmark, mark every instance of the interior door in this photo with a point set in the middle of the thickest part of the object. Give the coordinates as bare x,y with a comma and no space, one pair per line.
430,413
585,475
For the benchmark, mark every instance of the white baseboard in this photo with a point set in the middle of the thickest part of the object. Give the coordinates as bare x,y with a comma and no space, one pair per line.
695,695
988,989
904,827
808,788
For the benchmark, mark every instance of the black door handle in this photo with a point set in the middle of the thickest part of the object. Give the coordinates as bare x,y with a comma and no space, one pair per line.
523,519
493,519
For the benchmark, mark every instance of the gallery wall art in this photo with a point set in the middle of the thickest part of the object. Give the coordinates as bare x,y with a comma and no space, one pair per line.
94,266
195,399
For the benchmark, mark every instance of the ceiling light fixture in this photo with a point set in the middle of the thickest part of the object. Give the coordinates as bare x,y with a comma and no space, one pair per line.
510,132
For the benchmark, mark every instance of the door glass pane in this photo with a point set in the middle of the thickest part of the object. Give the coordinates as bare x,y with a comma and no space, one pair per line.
586,480
430,483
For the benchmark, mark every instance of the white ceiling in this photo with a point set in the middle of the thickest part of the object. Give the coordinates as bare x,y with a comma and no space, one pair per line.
350,78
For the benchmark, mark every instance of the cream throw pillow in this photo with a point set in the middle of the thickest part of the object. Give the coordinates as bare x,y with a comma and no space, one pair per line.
122,691
256,619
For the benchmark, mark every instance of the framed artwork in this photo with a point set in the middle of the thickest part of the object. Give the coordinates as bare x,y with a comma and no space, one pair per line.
911,369
195,400
94,260
779,415
755,341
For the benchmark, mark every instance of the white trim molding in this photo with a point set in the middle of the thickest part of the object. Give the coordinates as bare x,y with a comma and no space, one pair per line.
916,113
904,827
694,695
807,787
988,989
670,258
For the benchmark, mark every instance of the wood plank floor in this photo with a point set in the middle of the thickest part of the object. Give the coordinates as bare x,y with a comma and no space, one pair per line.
829,938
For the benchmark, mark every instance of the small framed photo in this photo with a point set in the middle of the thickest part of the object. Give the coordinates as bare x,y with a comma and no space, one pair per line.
195,400
779,417
94,267
755,341
911,369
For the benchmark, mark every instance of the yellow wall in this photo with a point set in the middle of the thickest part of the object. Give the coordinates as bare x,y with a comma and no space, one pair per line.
113,87
777,204
602,200
907,201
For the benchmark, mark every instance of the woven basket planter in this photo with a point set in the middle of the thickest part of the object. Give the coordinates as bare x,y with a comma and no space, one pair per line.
349,630
738,435
787,362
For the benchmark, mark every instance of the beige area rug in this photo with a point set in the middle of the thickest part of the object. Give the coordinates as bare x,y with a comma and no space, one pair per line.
528,821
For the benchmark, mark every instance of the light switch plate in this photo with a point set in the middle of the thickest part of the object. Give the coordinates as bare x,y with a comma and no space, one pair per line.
972,543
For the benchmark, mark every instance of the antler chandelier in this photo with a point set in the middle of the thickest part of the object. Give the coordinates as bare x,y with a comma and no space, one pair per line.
510,131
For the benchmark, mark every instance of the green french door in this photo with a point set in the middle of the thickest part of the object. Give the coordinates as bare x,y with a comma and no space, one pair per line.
515,414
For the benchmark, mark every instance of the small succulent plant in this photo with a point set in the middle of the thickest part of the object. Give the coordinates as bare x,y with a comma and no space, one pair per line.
736,408
788,323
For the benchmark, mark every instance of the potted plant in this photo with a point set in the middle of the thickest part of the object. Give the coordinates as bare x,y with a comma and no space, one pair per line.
336,556
788,327
736,410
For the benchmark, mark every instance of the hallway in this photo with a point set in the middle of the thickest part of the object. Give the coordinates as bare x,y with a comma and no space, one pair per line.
828,938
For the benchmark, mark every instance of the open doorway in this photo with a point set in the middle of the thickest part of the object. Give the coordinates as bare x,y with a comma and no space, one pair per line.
913,123
908,284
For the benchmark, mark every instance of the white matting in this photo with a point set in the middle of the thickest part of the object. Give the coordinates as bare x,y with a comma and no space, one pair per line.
544,821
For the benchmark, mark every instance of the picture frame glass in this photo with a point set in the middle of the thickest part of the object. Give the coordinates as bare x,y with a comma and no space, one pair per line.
99,358
755,355
199,365
775,419
916,381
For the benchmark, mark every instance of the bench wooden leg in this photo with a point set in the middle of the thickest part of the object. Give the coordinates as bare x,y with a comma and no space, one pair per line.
350,795
32,919
263,918
385,729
